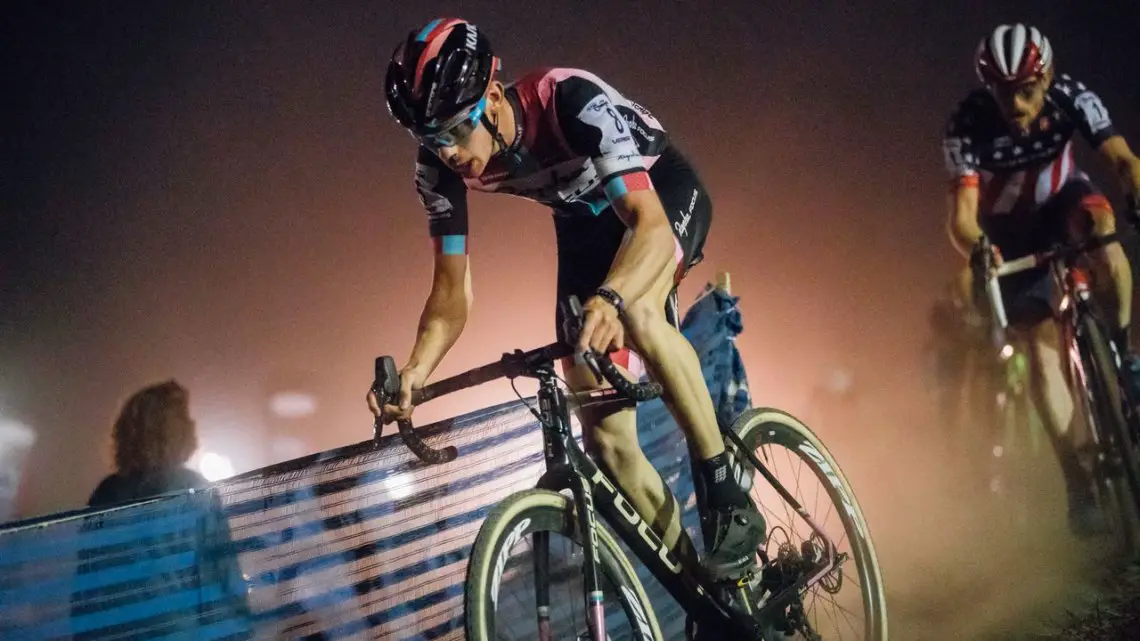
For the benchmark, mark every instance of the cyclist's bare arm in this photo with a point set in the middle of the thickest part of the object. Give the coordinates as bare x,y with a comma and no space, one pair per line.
648,249
444,315
963,220
441,322
1125,163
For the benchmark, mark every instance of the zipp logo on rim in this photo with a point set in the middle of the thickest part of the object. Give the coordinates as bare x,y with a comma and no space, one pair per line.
639,613
833,478
501,559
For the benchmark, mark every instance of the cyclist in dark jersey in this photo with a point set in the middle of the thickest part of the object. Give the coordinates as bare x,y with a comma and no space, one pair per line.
1009,149
630,216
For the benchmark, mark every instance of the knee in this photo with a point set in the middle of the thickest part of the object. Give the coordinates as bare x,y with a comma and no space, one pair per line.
613,446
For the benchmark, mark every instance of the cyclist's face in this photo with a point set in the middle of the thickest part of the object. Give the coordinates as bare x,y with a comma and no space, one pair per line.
468,147
1023,102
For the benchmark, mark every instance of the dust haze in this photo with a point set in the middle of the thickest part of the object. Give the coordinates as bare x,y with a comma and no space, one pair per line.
216,194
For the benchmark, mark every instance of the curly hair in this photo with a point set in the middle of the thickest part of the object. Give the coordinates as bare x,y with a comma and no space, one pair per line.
154,431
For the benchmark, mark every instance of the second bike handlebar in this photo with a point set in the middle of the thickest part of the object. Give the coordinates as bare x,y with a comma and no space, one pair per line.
386,384
993,273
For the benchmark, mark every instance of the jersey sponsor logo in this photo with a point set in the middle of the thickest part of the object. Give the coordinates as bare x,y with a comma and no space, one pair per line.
437,206
491,177
564,182
682,226
595,108
1094,112
642,110
636,127
956,160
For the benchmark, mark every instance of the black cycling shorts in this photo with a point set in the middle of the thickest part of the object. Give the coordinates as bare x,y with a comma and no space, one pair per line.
1028,295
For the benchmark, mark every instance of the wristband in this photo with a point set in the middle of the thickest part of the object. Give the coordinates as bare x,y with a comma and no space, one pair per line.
612,297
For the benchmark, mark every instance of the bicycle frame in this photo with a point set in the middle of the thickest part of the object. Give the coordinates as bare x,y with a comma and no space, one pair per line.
568,467
1074,303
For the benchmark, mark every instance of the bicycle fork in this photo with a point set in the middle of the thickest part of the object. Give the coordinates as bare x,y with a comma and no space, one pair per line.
588,525
595,612
551,407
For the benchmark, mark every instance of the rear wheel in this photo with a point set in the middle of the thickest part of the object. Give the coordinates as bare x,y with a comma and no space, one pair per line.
847,603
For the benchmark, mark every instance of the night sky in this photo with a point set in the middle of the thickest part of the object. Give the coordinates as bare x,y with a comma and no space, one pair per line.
214,192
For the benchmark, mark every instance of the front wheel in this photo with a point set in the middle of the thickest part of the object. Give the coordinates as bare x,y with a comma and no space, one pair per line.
524,579
847,603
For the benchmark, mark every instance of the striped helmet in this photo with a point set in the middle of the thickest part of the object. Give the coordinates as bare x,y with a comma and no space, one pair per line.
439,76
1012,54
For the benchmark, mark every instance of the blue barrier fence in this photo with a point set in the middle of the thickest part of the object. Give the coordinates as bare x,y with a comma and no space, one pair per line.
357,542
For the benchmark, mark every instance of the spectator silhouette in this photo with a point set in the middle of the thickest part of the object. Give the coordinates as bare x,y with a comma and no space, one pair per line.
153,438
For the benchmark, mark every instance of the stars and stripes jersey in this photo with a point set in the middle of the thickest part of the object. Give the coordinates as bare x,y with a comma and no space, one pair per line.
1017,173
579,144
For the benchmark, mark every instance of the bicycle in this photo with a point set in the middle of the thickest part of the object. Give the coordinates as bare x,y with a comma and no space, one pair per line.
1002,434
767,602
1094,370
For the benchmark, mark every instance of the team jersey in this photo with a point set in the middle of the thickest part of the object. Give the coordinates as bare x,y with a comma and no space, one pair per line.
579,144
1017,173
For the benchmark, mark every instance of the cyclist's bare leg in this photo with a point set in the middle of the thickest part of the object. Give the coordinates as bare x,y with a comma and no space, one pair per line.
1051,394
673,362
733,523
613,439
614,436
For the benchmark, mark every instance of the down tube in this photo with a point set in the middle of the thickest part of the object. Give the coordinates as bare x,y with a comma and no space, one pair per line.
616,510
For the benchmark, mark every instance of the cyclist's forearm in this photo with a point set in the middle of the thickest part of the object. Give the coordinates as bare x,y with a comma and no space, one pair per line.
441,323
648,250
963,220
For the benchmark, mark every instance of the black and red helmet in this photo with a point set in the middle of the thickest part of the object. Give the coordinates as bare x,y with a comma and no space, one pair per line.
1012,54
439,75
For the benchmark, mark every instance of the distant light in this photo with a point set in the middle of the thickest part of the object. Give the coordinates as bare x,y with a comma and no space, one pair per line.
998,451
839,380
215,467
293,404
400,486
1006,351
